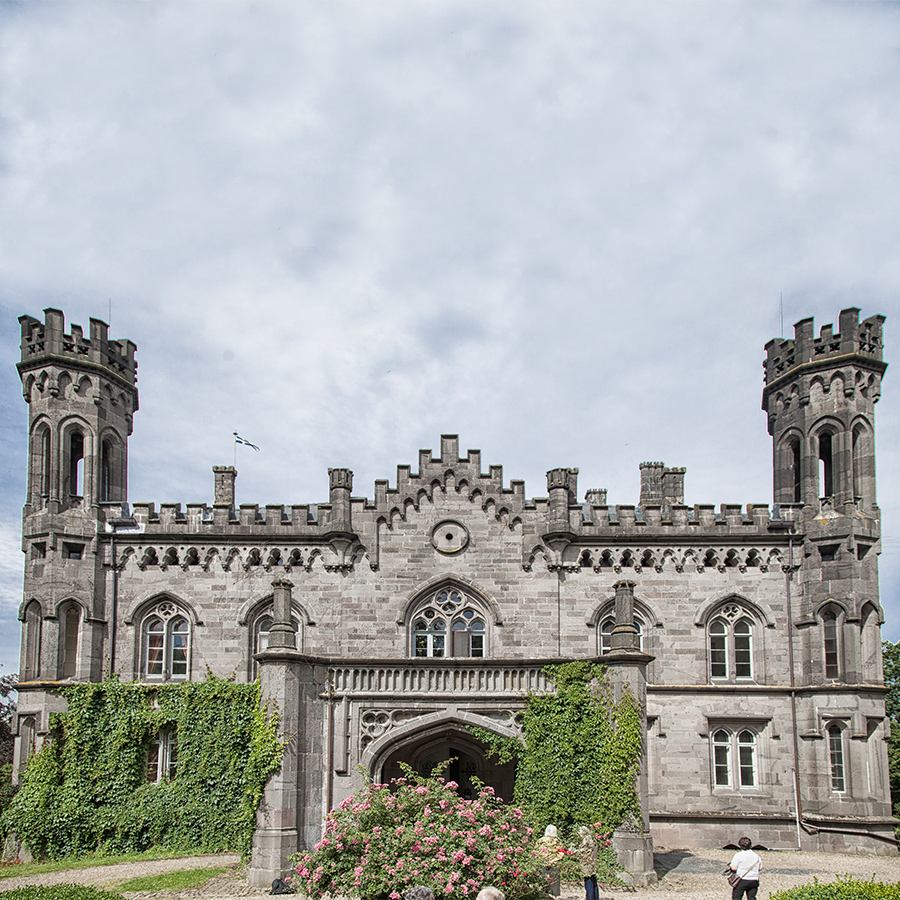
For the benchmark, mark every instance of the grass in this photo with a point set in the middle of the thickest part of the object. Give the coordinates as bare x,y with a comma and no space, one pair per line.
181,880
23,870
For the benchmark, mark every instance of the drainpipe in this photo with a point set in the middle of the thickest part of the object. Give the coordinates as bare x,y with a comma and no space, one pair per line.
790,624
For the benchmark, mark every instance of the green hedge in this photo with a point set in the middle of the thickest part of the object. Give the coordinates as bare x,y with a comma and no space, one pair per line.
87,789
846,888
59,892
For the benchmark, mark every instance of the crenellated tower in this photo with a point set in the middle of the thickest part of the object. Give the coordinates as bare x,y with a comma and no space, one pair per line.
81,394
820,394
820,397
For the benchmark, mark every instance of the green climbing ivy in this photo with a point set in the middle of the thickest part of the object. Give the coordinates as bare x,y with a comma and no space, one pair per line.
88,787
581,753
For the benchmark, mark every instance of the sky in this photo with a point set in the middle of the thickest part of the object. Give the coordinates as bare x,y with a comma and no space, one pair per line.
563,231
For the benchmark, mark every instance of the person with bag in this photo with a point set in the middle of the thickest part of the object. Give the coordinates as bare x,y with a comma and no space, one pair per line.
743,871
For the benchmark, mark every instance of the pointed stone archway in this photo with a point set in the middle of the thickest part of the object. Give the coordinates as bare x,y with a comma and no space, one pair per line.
468,760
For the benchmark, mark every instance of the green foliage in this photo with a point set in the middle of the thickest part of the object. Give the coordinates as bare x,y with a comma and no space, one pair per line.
182,880
846,888
88,788
891,656
7,792
388,838
581,755
59,892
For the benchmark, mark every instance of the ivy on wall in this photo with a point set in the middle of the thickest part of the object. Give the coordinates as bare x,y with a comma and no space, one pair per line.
581,753
88,787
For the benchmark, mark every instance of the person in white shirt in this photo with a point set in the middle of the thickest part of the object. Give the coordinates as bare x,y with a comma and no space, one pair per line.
746,864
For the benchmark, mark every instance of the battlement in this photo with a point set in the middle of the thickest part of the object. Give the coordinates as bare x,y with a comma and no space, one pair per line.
854,337
48,338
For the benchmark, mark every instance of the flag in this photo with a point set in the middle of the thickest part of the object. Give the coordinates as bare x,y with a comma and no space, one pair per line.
239,440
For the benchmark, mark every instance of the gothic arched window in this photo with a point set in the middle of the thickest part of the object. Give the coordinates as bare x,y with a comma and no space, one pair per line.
166,643
730,644
832,644
449,623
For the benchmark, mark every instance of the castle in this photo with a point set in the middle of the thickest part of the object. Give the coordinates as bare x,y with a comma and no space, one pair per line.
385,627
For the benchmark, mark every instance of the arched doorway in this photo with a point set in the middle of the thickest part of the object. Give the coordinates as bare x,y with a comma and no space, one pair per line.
468,762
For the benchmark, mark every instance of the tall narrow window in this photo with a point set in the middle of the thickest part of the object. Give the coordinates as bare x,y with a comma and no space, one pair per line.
718,649
743,657
76,464
836,758
826,465
71,627
162,756
832,649
44,477
747,758
794,451
722,758
106,492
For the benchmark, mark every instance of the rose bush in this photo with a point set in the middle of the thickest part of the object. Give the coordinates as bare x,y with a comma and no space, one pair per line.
387,838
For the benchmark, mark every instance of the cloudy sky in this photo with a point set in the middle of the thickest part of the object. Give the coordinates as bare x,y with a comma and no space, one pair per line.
560,230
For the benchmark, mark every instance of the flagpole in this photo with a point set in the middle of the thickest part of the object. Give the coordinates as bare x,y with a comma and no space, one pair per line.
235,452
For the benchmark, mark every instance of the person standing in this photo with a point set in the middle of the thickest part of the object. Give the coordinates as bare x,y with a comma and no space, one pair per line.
746,865
587,857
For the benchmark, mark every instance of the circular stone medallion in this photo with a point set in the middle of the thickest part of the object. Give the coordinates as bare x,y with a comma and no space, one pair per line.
449,537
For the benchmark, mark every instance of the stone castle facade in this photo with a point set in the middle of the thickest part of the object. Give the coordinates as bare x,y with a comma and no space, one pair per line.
385,627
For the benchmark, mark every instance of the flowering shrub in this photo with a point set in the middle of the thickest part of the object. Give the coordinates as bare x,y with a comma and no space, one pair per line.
416,830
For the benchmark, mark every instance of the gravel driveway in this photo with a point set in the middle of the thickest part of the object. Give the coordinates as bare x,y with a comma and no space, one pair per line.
689,875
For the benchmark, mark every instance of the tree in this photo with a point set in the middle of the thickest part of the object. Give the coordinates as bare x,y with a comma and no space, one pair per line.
7,708
891,653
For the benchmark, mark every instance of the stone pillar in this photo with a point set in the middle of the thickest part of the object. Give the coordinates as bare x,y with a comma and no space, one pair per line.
627,666
559,485
282,635
291,812
624,635
340,485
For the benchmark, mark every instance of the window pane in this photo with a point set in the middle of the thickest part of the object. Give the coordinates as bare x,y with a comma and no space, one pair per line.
460,643
606,636
421,645
155,637
723,776
437,645
477,643
746,759
179,648
831,646
836,754
153,760
743,657
718,665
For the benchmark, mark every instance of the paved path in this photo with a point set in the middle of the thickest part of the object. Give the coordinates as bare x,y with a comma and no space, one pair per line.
688,875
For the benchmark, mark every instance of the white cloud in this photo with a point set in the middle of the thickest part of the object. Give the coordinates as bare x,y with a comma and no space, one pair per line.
345,228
